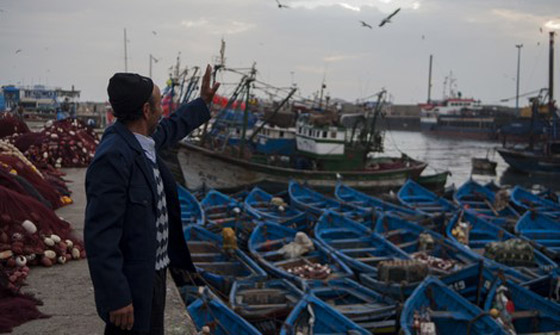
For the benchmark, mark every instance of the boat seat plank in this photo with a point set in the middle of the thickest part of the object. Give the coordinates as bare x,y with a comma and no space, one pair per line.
450,315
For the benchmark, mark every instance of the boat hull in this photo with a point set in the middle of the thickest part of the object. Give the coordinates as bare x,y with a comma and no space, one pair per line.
529,162
202,167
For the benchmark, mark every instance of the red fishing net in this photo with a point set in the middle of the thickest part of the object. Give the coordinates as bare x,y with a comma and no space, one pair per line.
65,143
11,124
15,308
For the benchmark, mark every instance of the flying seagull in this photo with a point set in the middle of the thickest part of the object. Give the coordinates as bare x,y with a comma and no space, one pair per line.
281,5
388,18
18,51
365,25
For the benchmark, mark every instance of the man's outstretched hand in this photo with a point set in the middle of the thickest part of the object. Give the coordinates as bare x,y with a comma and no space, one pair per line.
207,93
123,318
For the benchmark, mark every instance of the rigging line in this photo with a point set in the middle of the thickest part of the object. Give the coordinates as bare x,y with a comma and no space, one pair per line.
537,59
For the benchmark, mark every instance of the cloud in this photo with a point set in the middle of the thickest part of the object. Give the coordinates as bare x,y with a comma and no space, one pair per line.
228,28
311,69
553,24
347,6
338,58
357,5
195,23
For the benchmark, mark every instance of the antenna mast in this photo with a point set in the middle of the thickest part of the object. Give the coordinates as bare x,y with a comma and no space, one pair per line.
125,53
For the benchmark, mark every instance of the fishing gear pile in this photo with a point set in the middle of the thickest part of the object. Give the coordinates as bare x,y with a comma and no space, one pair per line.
64,143
11,124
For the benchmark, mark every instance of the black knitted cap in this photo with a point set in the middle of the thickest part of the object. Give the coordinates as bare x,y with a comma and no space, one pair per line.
128,92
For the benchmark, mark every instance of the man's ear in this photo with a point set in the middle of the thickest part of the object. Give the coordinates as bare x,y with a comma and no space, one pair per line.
146,110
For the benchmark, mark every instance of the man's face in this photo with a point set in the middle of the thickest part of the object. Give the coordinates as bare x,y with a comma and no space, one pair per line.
156,110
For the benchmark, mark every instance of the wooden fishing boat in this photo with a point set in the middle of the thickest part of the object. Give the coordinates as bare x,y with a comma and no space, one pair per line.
216,169
440,256
422,200
355,244
367,308
367,202
223,211
264,303
533,314
530,201
208,311
316,203
543,230
473,282
434,182
261,204
547,286
528,264
483,164
436,307
313,316
219,266
267,246
473,196
191,210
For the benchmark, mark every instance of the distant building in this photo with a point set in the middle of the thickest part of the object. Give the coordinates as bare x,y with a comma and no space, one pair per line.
37,98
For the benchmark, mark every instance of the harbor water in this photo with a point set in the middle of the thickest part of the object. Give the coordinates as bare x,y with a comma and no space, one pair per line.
454,155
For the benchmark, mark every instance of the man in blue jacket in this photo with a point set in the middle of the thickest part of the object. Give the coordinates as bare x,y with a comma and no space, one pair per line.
133,226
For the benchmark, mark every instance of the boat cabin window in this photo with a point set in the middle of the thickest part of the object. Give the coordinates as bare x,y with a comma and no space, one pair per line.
281,134
333,134
324,134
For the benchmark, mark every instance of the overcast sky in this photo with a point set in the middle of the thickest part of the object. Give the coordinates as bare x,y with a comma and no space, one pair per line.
63,43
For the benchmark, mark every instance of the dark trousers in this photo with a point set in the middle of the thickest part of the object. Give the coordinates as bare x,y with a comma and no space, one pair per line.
158,307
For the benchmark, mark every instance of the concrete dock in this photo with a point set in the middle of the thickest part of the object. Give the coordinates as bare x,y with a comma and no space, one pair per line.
67,291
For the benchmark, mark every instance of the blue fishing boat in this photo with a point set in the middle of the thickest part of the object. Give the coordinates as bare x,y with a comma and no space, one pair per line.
530,201
415,196
547,286
529,312
471,195
440,256
526,262
223,211
472,282
355,244
313,316
367,202
220,209
367,308
220,265
191,210
276,141
316,203
263,205
543,230
435,307
291,254
264,303
209,312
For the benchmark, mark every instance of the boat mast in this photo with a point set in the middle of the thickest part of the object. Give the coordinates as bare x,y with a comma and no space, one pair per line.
551,75
551,107
293,90
371,136
248,83
430,81
219,65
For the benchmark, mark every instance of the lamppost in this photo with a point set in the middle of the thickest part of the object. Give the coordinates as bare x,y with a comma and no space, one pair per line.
152,58
518,46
